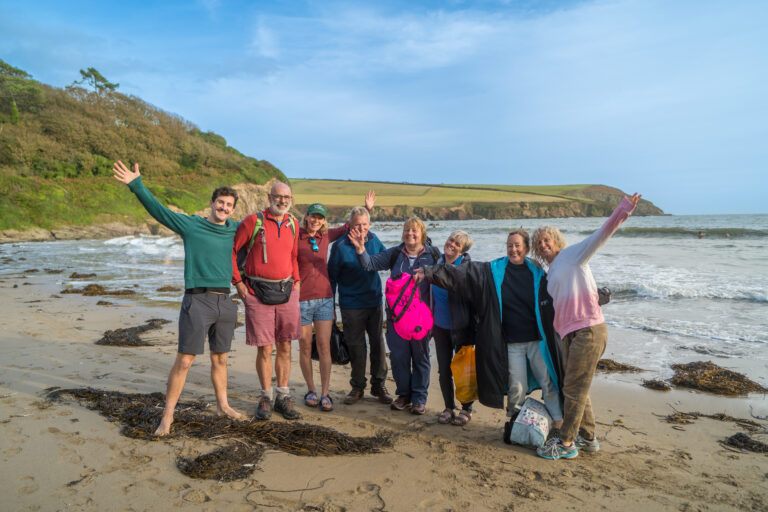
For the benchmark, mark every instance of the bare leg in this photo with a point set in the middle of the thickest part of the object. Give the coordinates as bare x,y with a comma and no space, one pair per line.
323,336
305,356
264,366
176,380
283,363
219,379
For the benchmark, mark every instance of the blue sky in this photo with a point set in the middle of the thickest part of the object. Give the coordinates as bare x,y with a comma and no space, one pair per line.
667,98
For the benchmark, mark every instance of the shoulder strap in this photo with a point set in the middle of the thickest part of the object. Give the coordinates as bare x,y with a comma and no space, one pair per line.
257,226
435,252
396,318
394,255
292,223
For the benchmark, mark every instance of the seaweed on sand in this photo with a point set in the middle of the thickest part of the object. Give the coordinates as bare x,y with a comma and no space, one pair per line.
129,336
139,415
707,376
742,441
168,288
611,366
75,275
686,418
96,289
658,385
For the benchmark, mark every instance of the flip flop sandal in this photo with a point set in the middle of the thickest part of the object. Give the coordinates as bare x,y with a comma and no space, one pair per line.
446,417
326,403
310,399
462,418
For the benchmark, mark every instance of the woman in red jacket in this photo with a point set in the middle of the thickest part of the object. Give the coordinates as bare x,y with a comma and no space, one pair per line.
316,298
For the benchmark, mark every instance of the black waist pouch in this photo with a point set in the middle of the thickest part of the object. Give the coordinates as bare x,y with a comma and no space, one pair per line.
271,291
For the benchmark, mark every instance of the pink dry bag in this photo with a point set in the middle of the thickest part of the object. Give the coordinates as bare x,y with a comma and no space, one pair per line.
411,318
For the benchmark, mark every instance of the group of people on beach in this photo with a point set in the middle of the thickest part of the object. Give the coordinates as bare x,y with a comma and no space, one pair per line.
532,316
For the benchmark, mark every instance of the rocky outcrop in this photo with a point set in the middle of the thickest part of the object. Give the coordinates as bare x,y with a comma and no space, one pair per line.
610,195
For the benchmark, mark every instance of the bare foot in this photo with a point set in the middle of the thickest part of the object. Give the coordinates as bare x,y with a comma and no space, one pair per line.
557,424
165,426
228,411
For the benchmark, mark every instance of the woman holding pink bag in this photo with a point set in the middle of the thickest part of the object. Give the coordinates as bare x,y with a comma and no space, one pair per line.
409,315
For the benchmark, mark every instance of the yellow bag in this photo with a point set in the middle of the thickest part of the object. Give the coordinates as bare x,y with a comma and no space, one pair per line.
464,376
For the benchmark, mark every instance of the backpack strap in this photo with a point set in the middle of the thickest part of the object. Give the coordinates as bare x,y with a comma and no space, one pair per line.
396,318
258,226
435,252
394,255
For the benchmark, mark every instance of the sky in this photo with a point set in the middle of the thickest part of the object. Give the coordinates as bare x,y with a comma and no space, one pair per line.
664,97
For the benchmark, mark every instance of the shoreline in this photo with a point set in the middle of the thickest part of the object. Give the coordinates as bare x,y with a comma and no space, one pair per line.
643,462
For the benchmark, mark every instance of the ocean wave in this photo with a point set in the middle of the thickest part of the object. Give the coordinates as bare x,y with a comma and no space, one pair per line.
681,232
690,331
644,291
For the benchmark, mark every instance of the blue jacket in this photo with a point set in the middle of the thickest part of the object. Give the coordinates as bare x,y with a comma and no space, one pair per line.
357,288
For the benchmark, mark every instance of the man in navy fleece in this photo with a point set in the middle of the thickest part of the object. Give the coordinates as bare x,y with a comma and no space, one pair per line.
361,310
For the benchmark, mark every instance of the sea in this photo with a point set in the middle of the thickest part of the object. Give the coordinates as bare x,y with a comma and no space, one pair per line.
684,287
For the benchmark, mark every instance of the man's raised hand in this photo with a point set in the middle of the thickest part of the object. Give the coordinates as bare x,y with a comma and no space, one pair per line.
370,199
123,174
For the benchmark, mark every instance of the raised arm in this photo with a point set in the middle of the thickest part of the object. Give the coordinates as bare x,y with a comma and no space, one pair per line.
176,222
466,280
585,249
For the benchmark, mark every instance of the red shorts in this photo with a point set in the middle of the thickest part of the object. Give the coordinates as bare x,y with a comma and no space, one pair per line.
264,324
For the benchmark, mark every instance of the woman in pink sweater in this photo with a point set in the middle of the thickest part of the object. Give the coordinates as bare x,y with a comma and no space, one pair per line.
579,322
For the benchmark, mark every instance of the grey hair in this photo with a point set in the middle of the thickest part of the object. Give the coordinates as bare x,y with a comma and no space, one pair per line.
463,239
357,211
556,236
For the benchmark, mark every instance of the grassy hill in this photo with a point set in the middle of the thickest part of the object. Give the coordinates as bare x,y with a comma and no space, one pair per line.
395,201
57,147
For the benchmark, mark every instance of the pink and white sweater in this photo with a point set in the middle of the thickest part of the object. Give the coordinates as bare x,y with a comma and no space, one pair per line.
570,281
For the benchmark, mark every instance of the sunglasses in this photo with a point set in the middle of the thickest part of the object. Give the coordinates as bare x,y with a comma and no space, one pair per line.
313,243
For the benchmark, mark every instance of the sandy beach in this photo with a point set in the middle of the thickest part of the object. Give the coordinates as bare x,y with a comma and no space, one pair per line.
63,456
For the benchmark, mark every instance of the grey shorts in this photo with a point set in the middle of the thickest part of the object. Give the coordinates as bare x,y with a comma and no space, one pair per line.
211,314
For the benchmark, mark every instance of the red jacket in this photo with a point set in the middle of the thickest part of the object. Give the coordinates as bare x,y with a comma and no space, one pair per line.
282,249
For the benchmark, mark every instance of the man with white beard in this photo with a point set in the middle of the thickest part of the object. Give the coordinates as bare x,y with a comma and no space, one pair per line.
269,288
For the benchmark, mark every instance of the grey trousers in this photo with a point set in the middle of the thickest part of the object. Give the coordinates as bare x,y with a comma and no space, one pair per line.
358,322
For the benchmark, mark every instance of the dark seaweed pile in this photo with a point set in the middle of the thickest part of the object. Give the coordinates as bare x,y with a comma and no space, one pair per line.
658,385
139,415
611,366
742,441
707,376
129,336
96,289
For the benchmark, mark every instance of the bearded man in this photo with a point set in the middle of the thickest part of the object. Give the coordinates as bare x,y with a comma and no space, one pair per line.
269,288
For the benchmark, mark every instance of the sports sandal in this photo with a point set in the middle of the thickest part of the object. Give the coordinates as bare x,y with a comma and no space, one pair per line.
446,416
326,403
462,418
310,399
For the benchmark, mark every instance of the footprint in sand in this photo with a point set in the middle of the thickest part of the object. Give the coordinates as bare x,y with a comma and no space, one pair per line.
28,485
196,496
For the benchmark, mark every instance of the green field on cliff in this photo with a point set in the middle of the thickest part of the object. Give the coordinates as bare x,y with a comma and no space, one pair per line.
344,193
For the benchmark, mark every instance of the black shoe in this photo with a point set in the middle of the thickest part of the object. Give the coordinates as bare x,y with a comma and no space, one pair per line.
508,431
382,394
284,405
264,408
353,396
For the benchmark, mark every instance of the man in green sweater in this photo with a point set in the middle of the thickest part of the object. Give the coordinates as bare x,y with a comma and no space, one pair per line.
206,309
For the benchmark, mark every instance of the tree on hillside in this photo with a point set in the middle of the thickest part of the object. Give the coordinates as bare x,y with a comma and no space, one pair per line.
95,80
18,91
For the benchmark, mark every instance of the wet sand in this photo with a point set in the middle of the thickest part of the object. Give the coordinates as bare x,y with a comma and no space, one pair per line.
65,457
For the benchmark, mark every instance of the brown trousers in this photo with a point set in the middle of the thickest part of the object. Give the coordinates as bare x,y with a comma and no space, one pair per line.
582,350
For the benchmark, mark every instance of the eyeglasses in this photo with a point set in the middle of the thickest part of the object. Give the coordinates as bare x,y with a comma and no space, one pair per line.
313,243
278,197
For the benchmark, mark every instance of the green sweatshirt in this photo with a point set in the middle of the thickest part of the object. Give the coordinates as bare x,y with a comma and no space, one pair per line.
207,246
